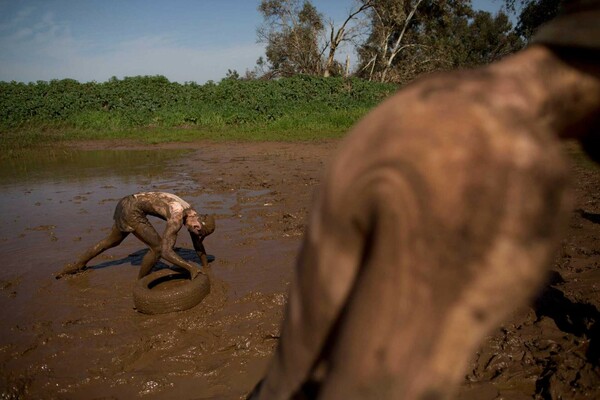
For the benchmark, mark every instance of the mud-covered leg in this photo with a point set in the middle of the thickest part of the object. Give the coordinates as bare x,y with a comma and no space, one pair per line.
148,235
114,238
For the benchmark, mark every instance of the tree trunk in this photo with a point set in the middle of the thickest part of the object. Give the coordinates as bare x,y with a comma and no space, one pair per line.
397,48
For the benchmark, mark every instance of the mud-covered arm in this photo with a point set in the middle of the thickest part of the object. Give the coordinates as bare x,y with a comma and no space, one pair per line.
199,247
325,271
168,244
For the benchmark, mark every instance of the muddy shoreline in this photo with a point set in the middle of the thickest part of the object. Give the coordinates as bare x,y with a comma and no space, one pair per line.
80,338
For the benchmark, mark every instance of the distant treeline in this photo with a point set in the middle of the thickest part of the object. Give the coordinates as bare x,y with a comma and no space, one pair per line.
153,101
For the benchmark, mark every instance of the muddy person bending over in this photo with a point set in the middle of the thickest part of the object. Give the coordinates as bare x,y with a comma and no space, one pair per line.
437,218
131,217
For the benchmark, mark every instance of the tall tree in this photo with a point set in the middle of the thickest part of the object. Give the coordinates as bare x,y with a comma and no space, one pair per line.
411,37
297,39
387,18
291,32
534,14
402,29
483,39
346,32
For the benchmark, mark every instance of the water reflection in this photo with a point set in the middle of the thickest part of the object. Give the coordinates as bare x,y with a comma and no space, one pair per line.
55,203
49,164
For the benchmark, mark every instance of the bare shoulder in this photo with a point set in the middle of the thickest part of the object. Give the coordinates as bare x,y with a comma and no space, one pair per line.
454,141
463,117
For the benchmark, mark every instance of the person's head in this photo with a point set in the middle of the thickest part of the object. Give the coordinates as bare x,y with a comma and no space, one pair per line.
574,36
199,224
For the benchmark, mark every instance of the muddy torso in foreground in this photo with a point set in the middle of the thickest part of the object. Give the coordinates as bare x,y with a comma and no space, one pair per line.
437,218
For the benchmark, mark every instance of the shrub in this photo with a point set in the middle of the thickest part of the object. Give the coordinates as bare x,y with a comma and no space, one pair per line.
154,101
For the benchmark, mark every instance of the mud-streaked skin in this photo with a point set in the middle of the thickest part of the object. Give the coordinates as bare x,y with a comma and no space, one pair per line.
130,217
437,218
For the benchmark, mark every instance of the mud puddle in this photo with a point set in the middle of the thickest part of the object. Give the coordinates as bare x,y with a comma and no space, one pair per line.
80,338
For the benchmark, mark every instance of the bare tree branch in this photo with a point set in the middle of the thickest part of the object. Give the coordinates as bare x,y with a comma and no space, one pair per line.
341,34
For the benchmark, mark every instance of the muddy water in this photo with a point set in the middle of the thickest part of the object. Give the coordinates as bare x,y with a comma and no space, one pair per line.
80,337
48,197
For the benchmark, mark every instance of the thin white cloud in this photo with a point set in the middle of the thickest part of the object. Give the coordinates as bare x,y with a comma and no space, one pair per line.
22,33
64,57
47,50
20,16
159,56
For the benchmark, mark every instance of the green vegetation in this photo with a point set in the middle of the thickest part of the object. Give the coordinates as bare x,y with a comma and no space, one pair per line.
152,109
396,41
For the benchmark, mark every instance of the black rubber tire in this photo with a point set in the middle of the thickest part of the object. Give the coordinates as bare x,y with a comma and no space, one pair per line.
179,298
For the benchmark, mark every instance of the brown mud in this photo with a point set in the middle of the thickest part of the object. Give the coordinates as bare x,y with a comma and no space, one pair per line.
80,338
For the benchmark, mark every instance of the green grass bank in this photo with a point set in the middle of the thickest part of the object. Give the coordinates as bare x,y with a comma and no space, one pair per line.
152,109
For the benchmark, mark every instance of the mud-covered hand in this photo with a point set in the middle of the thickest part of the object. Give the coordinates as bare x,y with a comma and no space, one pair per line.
169,254
194,273
200,250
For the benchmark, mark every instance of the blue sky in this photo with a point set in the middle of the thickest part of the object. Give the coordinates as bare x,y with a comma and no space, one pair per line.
93,40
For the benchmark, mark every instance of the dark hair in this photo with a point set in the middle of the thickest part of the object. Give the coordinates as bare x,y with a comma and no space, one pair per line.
209,222
591,146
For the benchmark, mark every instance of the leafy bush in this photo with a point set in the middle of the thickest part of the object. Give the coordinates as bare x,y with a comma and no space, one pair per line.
147,101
